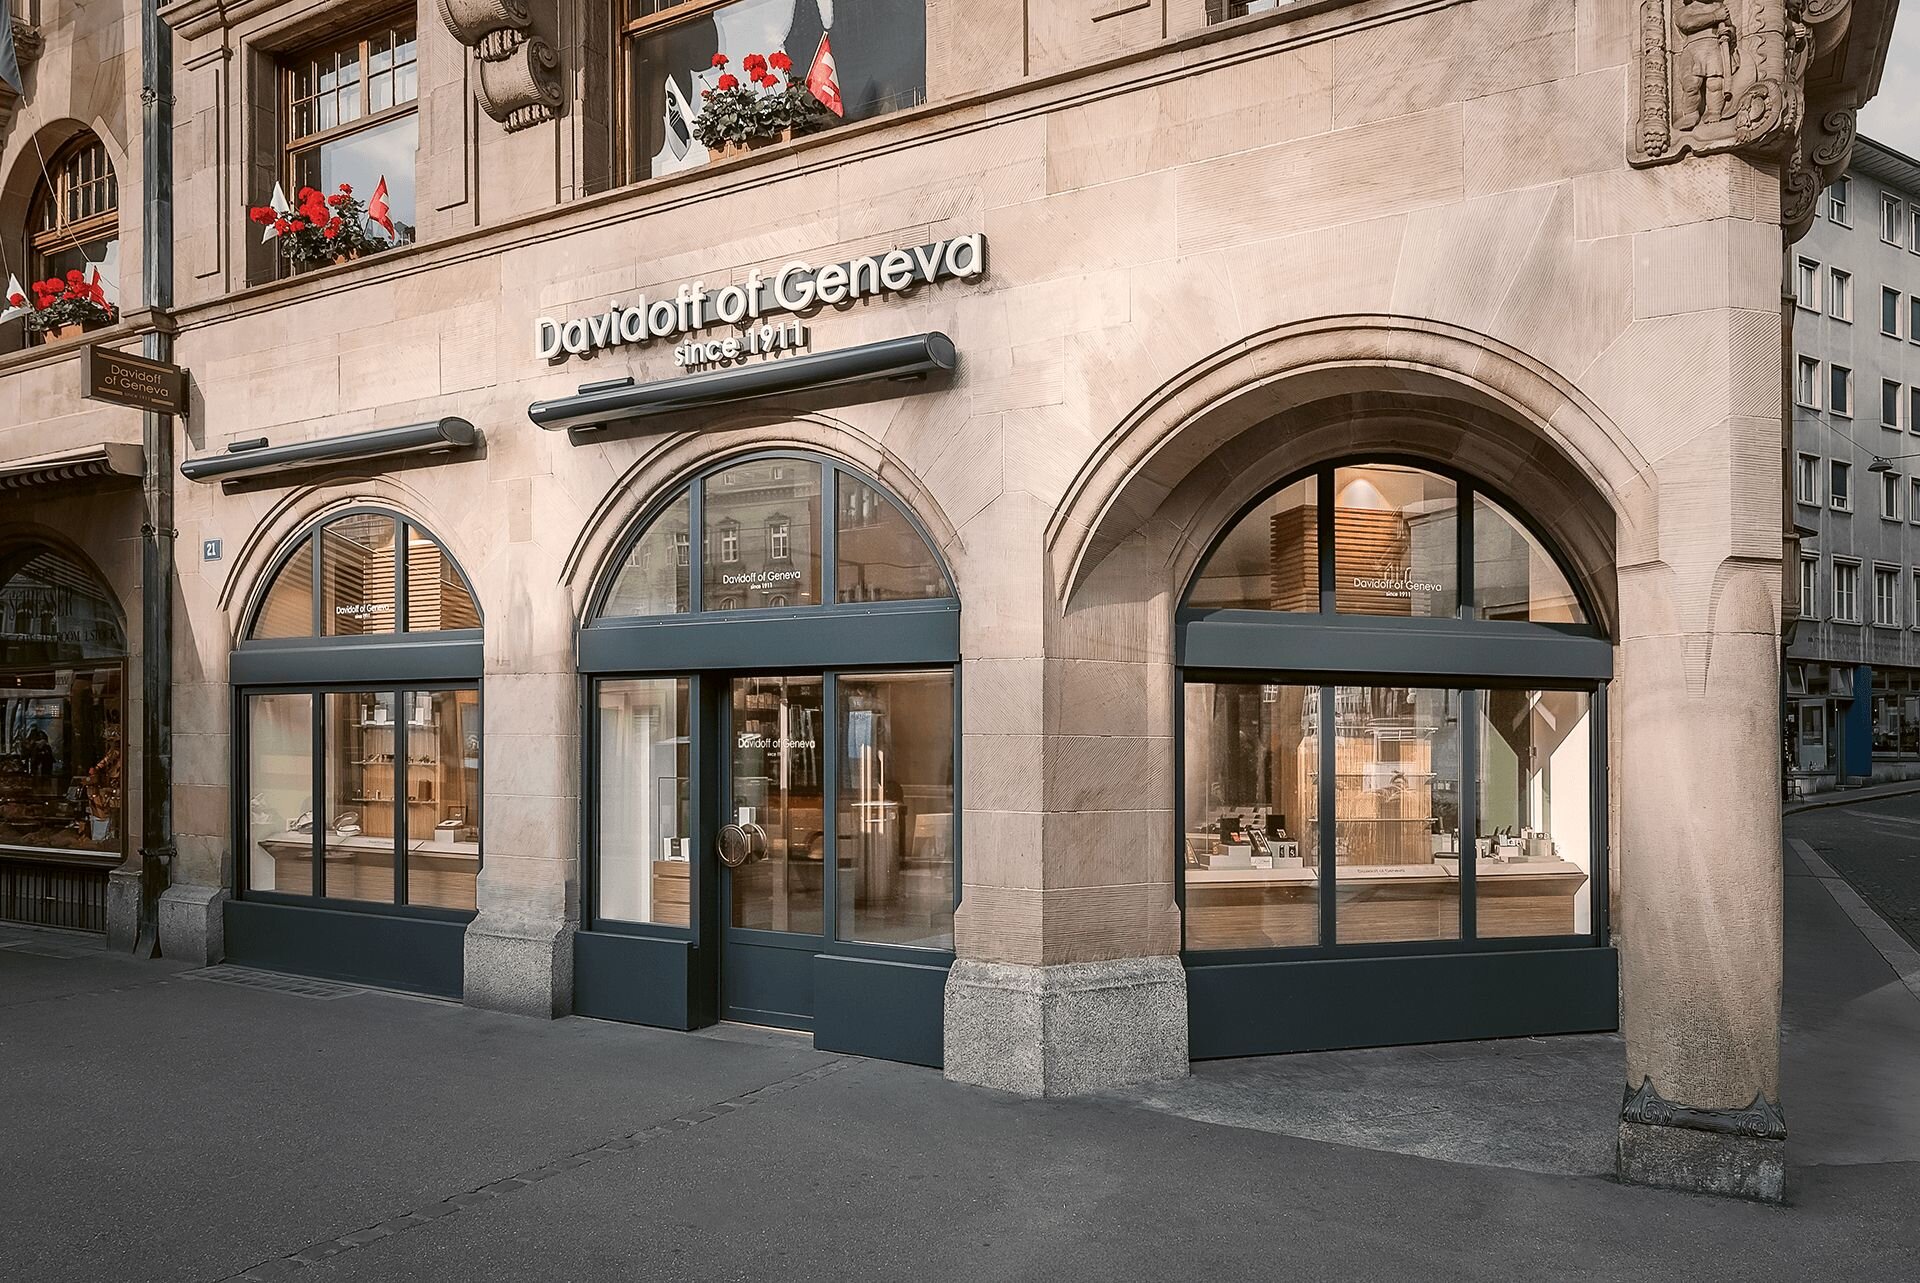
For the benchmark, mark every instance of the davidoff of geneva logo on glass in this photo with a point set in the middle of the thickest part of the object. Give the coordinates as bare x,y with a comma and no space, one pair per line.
797,287
1397,581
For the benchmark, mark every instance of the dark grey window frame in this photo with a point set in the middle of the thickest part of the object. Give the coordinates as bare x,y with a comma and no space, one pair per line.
1326,649
833,639
396,663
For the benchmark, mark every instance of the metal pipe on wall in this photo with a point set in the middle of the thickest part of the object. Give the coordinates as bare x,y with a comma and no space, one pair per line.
157,533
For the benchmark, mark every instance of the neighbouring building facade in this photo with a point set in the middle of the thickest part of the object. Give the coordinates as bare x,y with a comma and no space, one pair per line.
1852,674
1143,531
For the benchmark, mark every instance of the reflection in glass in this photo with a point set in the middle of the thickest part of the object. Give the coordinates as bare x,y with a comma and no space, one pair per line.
646,822
879,52
1396,550
361,159
761,507
895,802
1513,577
279,783
654,580
288,608
358,842
777,785
1269,560
879,555
1536,814
1396,814
55,611
1251,803
357,574
442,744
437,597
61,767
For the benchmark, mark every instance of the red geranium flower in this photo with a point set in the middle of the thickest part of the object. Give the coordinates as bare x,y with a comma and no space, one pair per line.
305,194
16,300
260,214
726,82
336,200
345,190
719,60
780,61
282,226
754,63
768,82
76,276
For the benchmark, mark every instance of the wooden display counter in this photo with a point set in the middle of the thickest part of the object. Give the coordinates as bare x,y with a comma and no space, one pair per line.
1280,908
439,873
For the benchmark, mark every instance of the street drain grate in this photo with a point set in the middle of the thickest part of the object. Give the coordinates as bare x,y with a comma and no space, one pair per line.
275,982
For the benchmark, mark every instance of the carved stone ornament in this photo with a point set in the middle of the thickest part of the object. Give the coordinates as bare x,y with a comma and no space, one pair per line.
27,46
1762,1119
1730,76
519,72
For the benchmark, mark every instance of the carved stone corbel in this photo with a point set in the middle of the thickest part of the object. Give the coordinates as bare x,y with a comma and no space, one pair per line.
519,72
1731,76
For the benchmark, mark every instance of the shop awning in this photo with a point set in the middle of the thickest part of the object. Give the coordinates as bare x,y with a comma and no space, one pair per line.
597,405
256,458
108,461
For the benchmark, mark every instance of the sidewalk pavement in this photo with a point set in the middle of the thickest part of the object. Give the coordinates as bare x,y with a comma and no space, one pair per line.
161,1123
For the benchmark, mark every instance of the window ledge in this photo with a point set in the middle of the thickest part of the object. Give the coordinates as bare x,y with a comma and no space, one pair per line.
131,325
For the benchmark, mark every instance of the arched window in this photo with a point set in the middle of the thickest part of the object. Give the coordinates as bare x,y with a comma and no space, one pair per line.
63,651
788,688
1392,728
74,223
359,757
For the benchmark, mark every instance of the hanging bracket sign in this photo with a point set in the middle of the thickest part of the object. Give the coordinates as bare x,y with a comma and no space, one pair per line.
107,374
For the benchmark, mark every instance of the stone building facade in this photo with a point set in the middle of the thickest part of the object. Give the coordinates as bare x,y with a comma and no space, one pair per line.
1229,415
1852,709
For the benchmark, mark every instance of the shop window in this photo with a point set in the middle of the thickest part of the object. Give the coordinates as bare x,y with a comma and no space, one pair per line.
352,117
870,58
1806,382
74,222
1840,294
1297,839
1840,486
1890,312
646,827
362,766
1838,196
1806,479
1886,597
1892,397
62,710
1840,390
1892,219
896,819
653,580
1809,588
1846,592
1806,285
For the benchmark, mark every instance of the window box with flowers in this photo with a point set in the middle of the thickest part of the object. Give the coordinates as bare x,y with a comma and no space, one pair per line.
739,116
323,229
66,307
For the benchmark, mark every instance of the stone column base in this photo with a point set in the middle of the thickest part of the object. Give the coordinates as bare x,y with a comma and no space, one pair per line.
523,969
1069,1029
193,924
1703,1162
123,907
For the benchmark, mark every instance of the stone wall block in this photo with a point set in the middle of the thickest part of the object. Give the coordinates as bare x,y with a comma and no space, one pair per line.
1507,148
1066,1030
1397,68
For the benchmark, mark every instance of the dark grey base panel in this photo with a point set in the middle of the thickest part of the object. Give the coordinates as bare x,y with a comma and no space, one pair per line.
415,954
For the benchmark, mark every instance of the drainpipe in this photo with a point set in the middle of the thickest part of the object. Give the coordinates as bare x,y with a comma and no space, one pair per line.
157,533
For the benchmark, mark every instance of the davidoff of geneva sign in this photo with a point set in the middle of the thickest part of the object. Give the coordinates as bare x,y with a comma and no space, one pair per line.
797,287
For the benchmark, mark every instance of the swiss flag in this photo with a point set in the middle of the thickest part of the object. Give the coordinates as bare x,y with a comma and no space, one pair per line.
824,80
377,211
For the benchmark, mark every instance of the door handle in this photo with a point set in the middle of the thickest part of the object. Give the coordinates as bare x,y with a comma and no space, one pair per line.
741,844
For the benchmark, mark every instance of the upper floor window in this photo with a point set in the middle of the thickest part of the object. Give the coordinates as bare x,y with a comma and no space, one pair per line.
1840,295
1806,382
1806,482
1891,218
1840,390
1840,486
864,60
1806,284
75,221
1809,588
1837,196
1227,10
1890,312
352,117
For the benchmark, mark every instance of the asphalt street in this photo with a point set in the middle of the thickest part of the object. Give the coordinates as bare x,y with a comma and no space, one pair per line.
1875,845
165,1124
